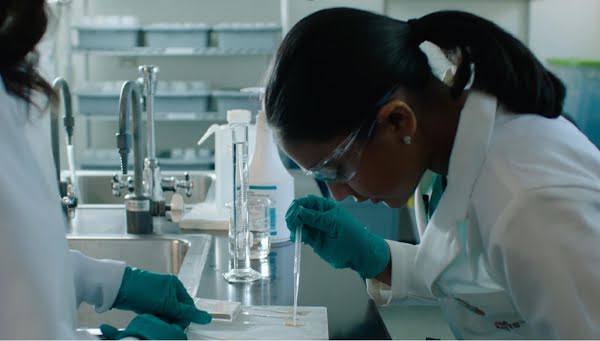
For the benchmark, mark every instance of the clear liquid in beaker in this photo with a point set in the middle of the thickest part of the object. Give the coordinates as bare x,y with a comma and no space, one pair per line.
260,222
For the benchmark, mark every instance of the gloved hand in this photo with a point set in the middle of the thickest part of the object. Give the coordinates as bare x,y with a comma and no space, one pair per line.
161,295
145,327
337,237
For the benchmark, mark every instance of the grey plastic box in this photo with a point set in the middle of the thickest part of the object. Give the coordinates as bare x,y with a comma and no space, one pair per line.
191,102
102,98
98,103
99,98
108,104
107,38
234,99
108,32
165,35
247,35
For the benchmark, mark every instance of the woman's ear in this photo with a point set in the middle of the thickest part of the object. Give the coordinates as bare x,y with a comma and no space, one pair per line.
399,117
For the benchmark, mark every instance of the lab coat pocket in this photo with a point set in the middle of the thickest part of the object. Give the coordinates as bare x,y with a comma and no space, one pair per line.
476,305
483,315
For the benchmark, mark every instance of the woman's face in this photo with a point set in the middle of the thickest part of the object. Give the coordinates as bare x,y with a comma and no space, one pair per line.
387,171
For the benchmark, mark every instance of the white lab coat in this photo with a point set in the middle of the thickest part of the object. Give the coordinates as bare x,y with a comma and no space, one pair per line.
513,248
41,281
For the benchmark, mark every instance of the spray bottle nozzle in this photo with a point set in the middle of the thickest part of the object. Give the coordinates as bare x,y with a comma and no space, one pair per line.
211,130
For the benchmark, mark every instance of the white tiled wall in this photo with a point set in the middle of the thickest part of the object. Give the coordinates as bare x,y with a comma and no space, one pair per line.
565,29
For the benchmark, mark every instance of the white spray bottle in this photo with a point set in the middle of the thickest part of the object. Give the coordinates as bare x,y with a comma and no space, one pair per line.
269,178
224,163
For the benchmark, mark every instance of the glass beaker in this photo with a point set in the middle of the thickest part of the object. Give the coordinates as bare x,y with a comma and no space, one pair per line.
259,219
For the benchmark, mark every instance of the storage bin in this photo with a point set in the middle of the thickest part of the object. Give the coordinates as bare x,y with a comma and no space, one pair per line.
108,159
108,33
181,97
165,35
234,99
247,35
190,102
102,98
582,79
99,98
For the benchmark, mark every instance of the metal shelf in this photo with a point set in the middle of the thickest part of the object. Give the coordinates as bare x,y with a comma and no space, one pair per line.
109,159
165,164
176,52
166,117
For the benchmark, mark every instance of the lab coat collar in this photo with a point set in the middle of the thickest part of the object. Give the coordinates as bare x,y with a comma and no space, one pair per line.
440,240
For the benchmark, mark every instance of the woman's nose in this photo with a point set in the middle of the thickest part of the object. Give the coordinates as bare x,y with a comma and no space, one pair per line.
339,191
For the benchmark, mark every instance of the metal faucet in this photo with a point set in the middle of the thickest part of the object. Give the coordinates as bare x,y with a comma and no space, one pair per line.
152,176
137,204
68,196
154,184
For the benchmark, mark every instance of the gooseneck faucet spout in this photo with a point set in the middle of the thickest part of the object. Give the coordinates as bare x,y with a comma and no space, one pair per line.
137,204
68,192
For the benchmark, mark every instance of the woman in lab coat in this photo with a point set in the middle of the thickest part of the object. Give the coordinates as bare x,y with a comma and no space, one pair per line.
41,281
512,213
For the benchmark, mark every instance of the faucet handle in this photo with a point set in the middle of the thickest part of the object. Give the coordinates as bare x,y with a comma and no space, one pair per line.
186,184
117,185
172,184
70,200
130,184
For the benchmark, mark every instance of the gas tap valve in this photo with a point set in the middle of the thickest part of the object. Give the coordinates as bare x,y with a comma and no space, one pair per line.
172,184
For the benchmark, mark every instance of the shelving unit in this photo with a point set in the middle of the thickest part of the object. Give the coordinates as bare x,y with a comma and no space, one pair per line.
177,52
222,66
212,116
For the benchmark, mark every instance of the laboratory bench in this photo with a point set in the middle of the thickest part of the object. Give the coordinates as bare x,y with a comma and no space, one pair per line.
351,313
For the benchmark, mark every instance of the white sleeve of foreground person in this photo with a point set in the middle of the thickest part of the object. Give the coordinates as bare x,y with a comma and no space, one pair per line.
36,280
38,274
406,286
97,282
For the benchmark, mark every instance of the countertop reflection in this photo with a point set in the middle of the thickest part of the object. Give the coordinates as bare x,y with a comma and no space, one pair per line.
351,313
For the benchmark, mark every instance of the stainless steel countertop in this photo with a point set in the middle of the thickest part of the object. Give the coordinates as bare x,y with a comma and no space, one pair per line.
351,313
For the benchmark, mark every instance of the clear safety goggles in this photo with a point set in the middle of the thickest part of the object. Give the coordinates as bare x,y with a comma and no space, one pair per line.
342,164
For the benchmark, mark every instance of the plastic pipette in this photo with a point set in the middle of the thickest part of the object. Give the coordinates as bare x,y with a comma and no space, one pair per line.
297,256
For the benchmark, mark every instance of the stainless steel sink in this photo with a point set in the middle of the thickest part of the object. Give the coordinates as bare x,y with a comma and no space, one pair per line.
95,186
154,254
176,254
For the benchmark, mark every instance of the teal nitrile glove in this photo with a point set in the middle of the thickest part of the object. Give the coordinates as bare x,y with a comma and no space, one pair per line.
163,295
337,237
146,327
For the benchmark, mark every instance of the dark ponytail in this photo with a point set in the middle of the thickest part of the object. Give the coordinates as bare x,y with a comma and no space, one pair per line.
22,25
336,64
504,67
